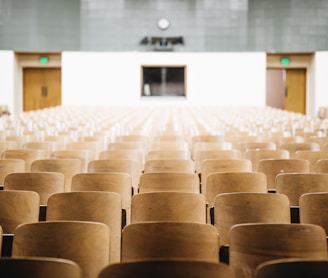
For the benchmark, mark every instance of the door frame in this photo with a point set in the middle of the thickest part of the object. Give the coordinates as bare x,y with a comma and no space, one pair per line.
30,60
297,61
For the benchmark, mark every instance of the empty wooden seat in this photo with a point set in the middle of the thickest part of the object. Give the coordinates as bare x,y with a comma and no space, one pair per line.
207,146
85,156
295,267
299,146
167,268
8,166
126,166
85,243
263,145
27,155
168,154
314,209
255,155
253,244
169,240
236,208
43,183
272,167
312,157
168,206
67,166
169,165
93,147
170,182
210,166
18,207
47,146
294,185
322,166
96,206
38,267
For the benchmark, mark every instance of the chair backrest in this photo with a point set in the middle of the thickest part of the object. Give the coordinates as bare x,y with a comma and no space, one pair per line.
203,146
322,166
93,147
168,206
85,156
18,207
253,244
38,267
167,268
169,240
111,182
314,209
237,208
8,166
294,185
249,145
44,183
293,147
272,167
287,268
210,166
214,154
255,155
47,146
169,182
169,165
96,206
230,182
168,154
67,166
27,155
85,243
312,157
127,166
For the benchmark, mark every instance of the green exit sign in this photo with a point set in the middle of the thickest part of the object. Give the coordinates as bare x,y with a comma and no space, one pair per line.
43,60
284,61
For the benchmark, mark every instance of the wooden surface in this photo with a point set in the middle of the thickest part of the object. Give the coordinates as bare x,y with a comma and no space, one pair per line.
167,268
253,244
44,183
174,182
38,267
299,146
96,206
294,185
168,206
29,156
313,157
169,165
169,240
85,243
237,208
8,166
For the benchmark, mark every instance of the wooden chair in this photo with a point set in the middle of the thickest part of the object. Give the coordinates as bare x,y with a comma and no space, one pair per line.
168,154
126,166
312,157
169,145
168,206
210,166
218,183
237,208
27,155
8,145
66,166
263,145
8,166
43,183
85,156
120,183
253,244
167,268
207,146
255,155
93,147
85,243
304,146
46,146
18,207
169,182
294,267
38,267
294,185
169,240
272,167
214,154
96,206
322,166
169,166
314,209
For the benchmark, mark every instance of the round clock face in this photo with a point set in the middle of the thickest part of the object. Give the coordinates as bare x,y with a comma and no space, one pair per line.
163,23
